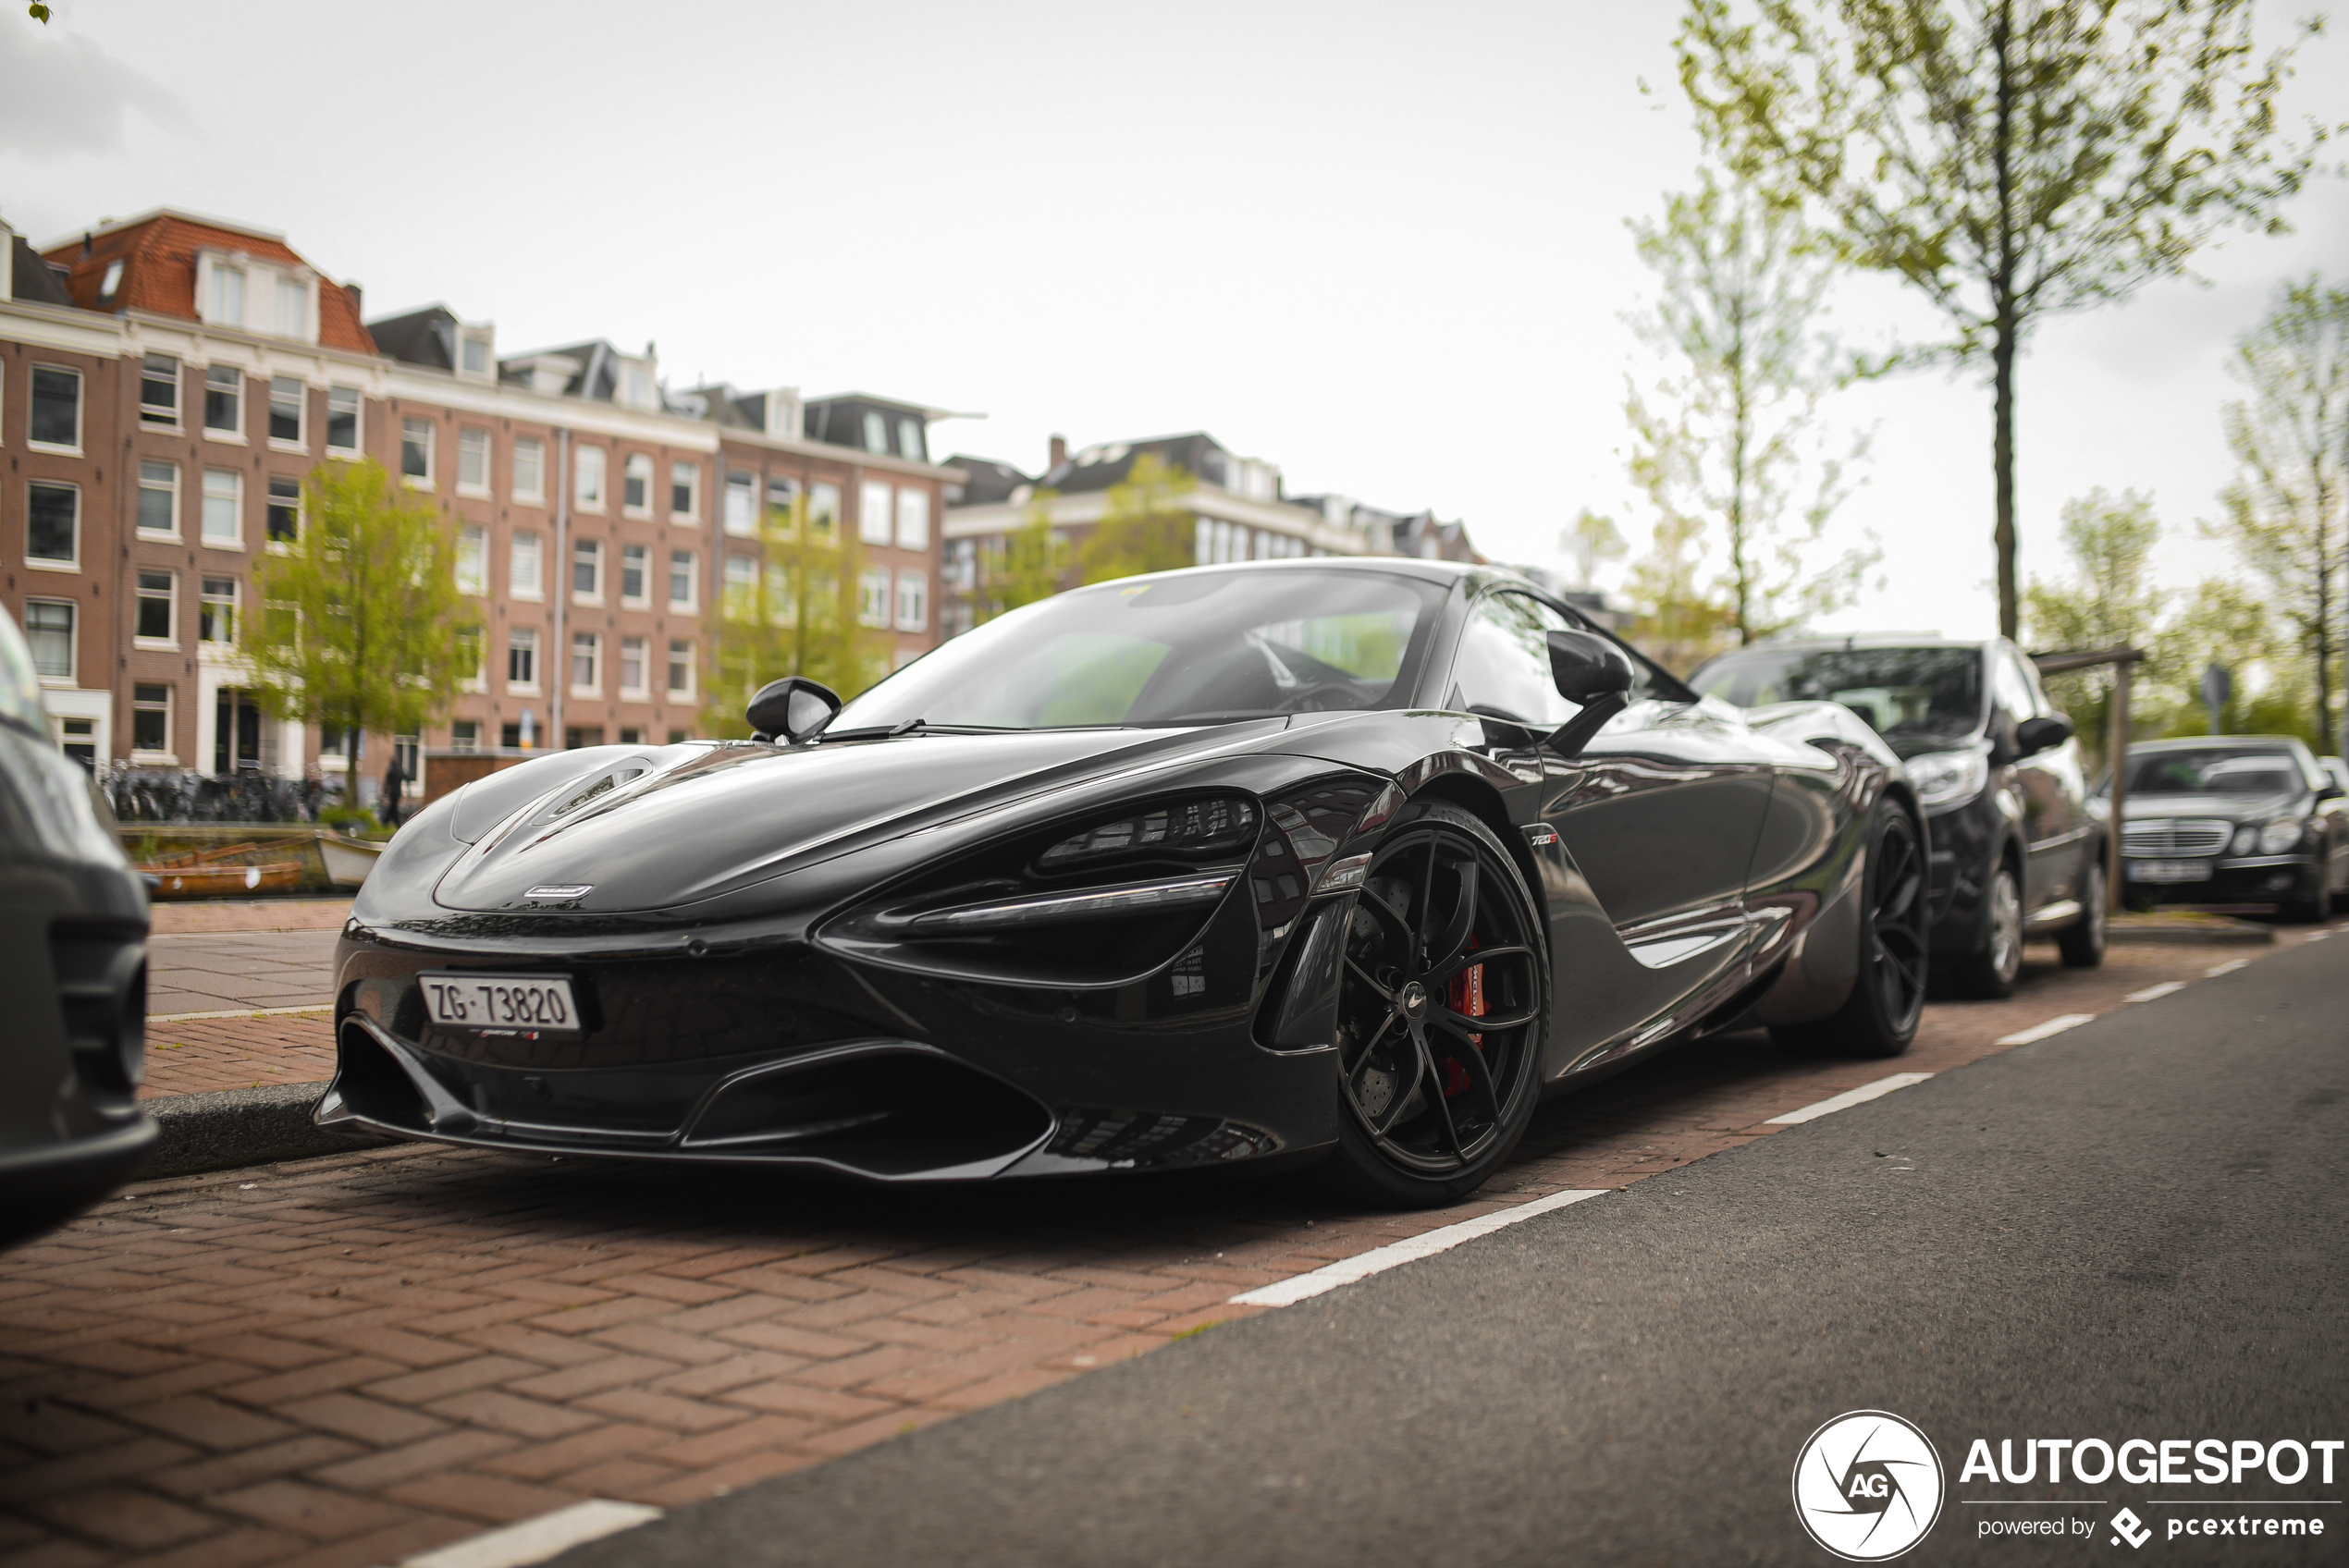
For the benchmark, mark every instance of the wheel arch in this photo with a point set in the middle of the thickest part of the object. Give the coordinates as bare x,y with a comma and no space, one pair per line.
1482,802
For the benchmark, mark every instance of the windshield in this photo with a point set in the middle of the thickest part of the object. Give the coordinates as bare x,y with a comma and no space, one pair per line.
2212,770
1186,648
1902,692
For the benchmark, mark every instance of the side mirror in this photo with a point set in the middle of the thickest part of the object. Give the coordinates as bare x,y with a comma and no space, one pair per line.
2035,735
791,709
1592,671
1587,667
2331,792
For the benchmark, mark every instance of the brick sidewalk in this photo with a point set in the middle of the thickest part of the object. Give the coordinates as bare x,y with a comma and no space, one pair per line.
199,1054
350,1360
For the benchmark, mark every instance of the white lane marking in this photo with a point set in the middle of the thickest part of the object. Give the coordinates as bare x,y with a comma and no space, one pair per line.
236,1012
2155,993
1849,1098
2227,968
1361,1265
535,1540
2056,1025
2315,935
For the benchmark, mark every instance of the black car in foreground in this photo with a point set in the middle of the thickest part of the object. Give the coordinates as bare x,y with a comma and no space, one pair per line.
1233,865
2015,850
73,967
2228,819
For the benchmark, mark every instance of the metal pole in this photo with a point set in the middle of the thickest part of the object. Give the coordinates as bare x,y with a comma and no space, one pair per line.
2117,870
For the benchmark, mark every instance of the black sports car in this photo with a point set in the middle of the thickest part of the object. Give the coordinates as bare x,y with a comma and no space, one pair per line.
1258,863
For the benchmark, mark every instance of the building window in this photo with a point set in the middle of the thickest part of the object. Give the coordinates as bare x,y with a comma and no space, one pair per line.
684,482
741,602
48,626
783,500
228,296
150,719
910,445
587,570
343,419
159,390
416,451
472,654
473,354
590,477
284,520
637,485
631,667
635,571
523,567
872,512
473,461
56,409
224,400
473,560
224,500
217,617
157,597
530,468
286,397
521,660
913,601
464,735
53,523
876,432
681,580
913,520
294,309
872,598
681,667
741,504
586,649
823,512
159,498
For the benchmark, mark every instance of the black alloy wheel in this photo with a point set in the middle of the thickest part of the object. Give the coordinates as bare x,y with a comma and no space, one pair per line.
1441,1013
1991,970
1879,1018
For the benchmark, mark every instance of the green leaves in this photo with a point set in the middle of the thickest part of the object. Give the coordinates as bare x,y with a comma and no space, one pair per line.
1147,524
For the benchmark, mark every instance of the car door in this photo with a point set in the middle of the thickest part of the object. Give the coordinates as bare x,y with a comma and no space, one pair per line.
2048,783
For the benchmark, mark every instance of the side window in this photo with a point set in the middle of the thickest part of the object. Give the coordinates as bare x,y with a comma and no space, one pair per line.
2012,686
1503,665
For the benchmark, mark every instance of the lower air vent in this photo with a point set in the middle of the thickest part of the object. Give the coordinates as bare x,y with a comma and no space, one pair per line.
887,1112
102,981
374,1086
1129,1140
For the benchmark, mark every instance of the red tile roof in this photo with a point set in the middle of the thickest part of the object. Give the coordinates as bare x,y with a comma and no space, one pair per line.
159,273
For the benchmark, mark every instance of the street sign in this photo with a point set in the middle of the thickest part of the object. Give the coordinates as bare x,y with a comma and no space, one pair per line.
2217,685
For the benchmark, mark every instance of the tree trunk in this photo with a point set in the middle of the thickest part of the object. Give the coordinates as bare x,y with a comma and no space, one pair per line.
2002,352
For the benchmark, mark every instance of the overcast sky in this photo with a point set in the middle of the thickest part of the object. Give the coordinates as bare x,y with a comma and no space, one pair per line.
1380,245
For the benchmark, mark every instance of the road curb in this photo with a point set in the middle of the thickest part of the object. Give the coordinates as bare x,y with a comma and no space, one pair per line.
236,1127
2237,934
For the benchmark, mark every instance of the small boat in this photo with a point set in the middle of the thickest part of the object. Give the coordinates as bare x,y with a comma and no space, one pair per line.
347,860
224,881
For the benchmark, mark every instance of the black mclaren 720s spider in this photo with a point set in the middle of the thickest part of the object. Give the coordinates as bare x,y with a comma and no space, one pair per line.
1344,859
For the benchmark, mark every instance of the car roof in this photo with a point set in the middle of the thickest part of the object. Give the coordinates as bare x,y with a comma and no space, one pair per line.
2188,742
1388,566
1859,640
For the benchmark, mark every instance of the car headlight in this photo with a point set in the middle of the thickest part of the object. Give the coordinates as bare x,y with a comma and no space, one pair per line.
1184,829
1943,778
2281,834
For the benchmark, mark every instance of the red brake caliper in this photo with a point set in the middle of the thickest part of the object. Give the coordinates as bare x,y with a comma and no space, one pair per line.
1464,994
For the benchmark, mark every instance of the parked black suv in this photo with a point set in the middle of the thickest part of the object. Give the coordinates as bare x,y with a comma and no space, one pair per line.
73,967
2224,819
2014,847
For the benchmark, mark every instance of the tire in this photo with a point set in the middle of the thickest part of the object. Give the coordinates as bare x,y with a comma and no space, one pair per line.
2082,942
1428,1108
1879,1018
1990,970
2309,909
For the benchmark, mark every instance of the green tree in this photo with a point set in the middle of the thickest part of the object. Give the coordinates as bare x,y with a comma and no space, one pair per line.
2290,438
1031,564
1146,524
801,610
363,625
1682,621
2223,622
1730,433
1588,540
2108,601
2008,158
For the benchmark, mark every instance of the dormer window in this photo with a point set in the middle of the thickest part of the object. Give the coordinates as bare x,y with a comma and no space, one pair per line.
474,358
112,281
876,432
294,309
227,301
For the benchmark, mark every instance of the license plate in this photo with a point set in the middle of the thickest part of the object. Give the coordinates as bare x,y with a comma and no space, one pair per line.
504,1004
2169,871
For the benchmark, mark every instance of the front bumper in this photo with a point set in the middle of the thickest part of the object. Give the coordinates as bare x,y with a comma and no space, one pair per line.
791,1056
2249,879
43,1186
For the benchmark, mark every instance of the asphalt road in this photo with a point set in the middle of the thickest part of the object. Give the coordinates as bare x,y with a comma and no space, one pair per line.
2132,1229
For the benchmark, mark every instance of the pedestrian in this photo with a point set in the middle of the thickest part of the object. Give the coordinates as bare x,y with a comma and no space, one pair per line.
394,777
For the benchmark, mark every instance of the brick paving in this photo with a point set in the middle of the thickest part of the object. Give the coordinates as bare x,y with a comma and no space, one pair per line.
204,915
196,1055
213,972
351,1360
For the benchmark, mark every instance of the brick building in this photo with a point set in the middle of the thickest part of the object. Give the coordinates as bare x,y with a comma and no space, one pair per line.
167,383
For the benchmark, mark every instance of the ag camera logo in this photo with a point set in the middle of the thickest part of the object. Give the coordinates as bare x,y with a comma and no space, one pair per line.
1868,1485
